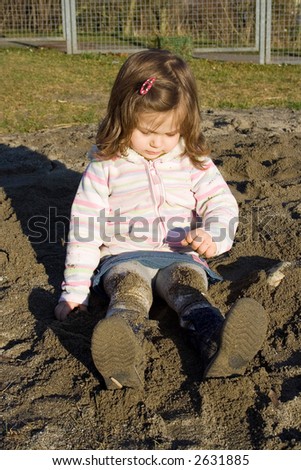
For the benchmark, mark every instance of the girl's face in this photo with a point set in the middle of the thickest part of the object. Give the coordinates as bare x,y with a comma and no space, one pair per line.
155,134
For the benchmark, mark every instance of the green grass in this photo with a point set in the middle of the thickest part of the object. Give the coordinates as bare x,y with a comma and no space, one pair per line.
43,88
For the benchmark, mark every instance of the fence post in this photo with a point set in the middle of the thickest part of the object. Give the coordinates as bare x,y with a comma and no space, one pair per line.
69,16
262,35
268,32
257,25
63,18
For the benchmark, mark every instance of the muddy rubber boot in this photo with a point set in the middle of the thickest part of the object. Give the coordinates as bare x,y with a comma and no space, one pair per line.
242,335
117,351
117,344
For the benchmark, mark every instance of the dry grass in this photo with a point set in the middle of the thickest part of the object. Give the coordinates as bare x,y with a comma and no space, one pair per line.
45,88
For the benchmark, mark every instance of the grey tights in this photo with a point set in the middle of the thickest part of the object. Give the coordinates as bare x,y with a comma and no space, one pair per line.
130,286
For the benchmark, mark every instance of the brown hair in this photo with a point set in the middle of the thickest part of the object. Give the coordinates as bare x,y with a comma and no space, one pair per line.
174,89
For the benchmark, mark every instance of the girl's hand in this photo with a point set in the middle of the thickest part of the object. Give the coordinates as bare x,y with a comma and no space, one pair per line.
63,309
201,242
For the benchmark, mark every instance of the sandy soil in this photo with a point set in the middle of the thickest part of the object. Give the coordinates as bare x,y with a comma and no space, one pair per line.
52,396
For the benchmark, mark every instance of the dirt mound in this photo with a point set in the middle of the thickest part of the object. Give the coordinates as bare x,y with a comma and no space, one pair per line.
52,396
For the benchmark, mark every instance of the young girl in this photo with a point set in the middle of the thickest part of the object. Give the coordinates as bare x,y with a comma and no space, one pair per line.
150,207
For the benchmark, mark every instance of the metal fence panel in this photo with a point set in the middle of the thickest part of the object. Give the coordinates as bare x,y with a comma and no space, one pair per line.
268,30
118,25
284,37
33,19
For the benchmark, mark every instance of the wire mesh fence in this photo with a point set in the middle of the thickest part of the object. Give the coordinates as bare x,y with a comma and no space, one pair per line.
269,30
187,24
283,35
31,19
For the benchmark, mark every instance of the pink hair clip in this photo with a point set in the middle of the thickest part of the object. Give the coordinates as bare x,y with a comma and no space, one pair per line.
147,85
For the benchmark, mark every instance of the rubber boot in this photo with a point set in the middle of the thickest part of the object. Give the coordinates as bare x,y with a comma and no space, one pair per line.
241,337
226,345
118,340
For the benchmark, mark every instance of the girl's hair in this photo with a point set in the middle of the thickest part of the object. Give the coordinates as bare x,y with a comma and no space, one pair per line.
174,89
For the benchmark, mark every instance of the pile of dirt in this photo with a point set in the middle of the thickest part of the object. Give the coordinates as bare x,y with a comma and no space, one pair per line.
52,395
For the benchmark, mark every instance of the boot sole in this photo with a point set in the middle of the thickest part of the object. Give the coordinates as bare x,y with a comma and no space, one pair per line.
117,354
242,336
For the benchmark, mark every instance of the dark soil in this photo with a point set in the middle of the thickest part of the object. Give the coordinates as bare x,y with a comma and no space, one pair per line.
52,395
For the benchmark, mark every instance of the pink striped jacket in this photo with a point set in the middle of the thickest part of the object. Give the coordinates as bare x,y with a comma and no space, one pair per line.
129,203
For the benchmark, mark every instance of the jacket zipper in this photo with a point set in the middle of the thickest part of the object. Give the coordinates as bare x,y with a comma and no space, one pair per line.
158,196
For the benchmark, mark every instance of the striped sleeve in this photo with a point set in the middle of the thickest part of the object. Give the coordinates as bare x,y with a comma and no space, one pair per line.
87,225
216,206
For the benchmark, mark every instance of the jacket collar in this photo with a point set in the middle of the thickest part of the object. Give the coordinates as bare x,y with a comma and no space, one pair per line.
135,157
